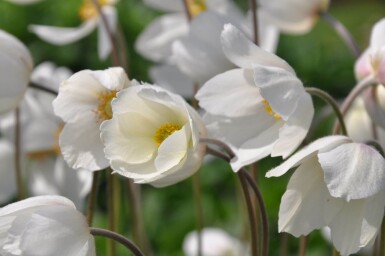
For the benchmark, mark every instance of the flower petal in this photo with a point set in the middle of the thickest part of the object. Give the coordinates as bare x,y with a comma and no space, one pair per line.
165,5
377,38
322,144
373,99
243,53
7,172
62,36
104,40
353,171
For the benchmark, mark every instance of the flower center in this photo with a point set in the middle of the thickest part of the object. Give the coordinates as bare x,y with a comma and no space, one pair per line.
196,7
269,110
104,108
164,131
39,154
88,10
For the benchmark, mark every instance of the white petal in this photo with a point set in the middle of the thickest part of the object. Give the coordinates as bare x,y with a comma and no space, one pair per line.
155,41
377,39
165,5
322,144
296,127
268,33
363,66
243,53
353,171
62,36
372,100
81,145
112,78
357,224
306,200
7,172
231,94
104,41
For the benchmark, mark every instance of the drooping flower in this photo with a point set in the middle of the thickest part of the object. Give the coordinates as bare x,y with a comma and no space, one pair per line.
84,102
339,184
372,61
15,69
91,19
293,16
215,242
258,109
44,225
153,136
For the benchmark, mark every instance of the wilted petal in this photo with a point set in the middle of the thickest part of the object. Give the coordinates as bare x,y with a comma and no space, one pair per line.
353,171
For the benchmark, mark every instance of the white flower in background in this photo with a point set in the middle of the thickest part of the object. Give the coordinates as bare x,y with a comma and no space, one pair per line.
46,171
154,43
293,16
7,173
153,136
91,19
84,102
372,61
24,2
258,109
215,242
45,225
15,70
339,184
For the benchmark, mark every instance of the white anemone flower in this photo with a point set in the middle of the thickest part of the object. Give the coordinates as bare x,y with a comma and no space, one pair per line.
215,242
84,102
339,184
45,225
372,60
259,109
153,136
15,70
7,173
91,19
293,16
154,43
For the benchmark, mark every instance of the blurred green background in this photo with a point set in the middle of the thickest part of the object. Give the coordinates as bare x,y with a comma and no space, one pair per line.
320,59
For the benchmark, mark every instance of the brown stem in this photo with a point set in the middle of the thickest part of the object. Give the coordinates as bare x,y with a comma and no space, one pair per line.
111,213
187,10
19,179
302,245
92,198
254,11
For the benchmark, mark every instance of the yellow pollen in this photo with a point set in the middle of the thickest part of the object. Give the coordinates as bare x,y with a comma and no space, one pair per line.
196,7
39,154
269,110
104,108
88,10
164,131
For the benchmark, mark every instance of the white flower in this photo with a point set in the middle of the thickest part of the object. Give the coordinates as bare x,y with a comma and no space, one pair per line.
91,19
339,184
153,136
259,109
84,102
15,69
7,174
155,41
293,16
45,225
372,61
215,242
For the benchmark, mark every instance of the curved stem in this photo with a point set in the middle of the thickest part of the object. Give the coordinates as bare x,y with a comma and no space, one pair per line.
302,245
114,48
377,146
343,32
357,90
253,8
92,198
19,179
329,100
42,88
118,238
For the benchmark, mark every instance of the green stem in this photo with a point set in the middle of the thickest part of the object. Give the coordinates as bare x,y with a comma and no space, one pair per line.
111,212
254,12
19,179
92,198
196,184
329,100
382,241
43,88
357,90
302,245
118,238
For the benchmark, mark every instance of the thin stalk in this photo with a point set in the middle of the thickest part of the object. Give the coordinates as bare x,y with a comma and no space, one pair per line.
19,179
343,32
284,244
254,12
43,88
382,241
302,245
196,184
92,198
357,90
187,10
329,100
118,238
122,43
114,47
111,213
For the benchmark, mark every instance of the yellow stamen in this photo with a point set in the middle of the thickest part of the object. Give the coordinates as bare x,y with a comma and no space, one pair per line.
196,7
269,110
164,131
88,10
105,108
